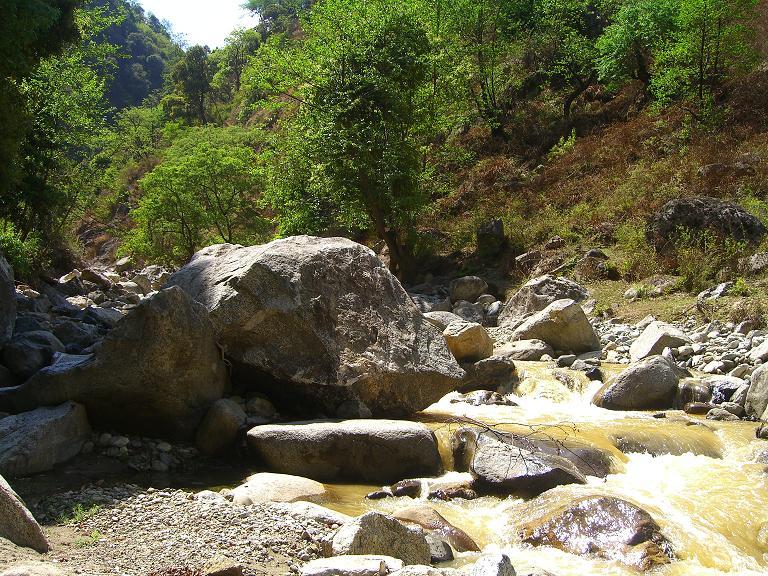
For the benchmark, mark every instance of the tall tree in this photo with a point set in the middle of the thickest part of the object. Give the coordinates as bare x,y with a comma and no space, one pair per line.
193,75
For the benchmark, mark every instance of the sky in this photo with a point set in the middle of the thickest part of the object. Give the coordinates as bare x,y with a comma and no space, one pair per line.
206,22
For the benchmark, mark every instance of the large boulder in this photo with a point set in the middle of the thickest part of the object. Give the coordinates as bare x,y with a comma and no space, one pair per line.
657,336
267,487
468,341
756,404
220,426
319,323
701,214
155,374
7,301
36,441
17,523
563,325
537,294
647,385
499,465
28,352
498,371
526,350
376,533
467,289
372,451
605,526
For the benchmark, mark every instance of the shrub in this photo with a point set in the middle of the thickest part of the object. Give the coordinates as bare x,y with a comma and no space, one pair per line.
24,256
705,257
748,310
640,260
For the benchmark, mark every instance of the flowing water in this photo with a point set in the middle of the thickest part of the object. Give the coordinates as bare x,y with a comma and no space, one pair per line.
702,481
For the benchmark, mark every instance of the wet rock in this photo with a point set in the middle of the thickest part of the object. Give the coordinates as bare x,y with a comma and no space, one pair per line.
698,408
498,466
29,352
493,565
489,374
373,451
538,293
442,319
17,523
468,289
155,374
352,565
563,325
36,441
7,301
657,336
220,426
468,342
410,488
526,350
700,214
268,487
721,414
483,398
605,526
691,390
376,533
647,385
318,322
434,523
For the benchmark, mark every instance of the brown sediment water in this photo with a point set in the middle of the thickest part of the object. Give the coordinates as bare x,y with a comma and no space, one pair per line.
703,482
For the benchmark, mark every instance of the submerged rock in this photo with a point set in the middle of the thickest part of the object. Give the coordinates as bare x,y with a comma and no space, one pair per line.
17,523
605,526
319,323
156,373
36,441
376,533
373,451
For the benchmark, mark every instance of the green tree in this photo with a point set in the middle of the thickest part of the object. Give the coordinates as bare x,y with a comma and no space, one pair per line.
193,74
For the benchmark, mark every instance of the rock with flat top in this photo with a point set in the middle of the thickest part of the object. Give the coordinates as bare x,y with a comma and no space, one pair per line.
468,341
352,565
266,487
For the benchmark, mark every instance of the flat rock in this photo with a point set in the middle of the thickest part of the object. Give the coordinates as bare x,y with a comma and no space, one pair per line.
266,487
372,451
352,565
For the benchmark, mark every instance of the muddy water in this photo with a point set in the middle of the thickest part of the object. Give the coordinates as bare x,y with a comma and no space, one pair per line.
701,481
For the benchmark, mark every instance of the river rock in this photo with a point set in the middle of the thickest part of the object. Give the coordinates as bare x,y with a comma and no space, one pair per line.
376,533
468,341
7,301
220,426
700,214
155,374
498,466
657,336
352,565
537,294
28,352
319,323
427,571
498,371
721,414
17,523
432,521
36,441
647,385
372,451
527,350
493,565
267,487
757,397
605,526
77,334
692,391
563,325
442,319
468,289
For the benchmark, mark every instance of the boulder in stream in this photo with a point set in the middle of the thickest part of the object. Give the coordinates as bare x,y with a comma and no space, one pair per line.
17,523
468,341
372,451
321,323
432,521
605,526
155,374
650,384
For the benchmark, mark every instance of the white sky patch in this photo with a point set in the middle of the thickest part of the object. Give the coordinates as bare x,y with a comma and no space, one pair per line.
206,22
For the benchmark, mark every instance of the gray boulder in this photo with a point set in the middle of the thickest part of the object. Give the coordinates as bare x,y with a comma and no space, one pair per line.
604,526
467,288
468,341
319,323
352,565
526,350
537,294
498,371
372,451
442,319
29,352
493,565
17,523
657,336
7,301
756,404
469,312
36,441
266,487
563,325
155,374
647,385
220,426
376,533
